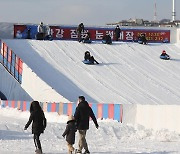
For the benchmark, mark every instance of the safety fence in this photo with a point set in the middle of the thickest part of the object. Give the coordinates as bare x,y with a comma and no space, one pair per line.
12,63
101,111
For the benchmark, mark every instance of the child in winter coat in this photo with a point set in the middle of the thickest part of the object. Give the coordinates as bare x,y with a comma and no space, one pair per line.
38,124
88,57
70,133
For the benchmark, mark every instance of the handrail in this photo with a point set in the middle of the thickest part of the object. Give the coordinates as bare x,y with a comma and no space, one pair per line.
12,63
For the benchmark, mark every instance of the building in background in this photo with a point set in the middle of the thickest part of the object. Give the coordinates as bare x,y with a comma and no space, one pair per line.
147,23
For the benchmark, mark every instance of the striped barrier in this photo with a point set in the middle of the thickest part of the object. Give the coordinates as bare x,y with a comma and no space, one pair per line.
12,63
101,111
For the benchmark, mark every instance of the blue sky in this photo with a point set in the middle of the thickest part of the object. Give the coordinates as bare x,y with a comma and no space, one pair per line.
90,12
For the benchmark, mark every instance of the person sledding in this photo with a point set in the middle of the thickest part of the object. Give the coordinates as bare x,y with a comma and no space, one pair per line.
87,39
164,55
142,39
88,59
107,39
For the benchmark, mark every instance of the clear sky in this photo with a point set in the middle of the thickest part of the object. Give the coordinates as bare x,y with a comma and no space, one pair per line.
90,12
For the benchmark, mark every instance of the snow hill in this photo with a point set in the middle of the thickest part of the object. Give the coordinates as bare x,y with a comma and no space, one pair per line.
128,73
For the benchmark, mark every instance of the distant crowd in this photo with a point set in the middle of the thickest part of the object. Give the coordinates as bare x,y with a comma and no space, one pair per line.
44,33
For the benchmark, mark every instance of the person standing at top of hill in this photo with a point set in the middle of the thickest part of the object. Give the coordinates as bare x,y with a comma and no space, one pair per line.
142,39
79,30
41,31
117,32
38,124
82,115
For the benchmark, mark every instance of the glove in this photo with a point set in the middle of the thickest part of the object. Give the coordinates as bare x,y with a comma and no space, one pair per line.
63,136
25,128
97,126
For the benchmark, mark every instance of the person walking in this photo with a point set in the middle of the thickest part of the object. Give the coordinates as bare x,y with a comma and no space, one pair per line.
82,114
38,120
70,132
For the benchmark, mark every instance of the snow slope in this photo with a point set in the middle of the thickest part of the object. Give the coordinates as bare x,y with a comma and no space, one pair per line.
128,73
10,87
111,138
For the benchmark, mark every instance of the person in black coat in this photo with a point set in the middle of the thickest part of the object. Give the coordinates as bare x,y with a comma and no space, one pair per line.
117,32
142,39
38,120
70,132
107,39
87,39
82,114
88,57
79,30
164,55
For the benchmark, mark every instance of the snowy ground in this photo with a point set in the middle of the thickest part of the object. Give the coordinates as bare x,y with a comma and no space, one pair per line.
111,138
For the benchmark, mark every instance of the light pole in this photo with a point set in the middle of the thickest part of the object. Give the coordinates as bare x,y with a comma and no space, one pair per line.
174,10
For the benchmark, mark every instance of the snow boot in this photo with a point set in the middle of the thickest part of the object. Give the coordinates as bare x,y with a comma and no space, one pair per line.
86,152
78,151
38,151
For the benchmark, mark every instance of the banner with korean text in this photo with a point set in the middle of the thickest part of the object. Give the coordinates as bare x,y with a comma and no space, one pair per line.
96,33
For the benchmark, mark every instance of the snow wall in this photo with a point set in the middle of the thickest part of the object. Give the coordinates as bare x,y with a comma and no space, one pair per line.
37,88
33,86
178,35
173,35
154,117
10,87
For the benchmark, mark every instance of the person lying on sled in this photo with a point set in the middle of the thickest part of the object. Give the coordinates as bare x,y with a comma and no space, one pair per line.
88,57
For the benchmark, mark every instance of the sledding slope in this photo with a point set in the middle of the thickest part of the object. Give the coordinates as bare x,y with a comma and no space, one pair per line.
10,87
128,73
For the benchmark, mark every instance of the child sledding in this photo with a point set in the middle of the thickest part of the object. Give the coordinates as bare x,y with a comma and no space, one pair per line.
88,59
164,55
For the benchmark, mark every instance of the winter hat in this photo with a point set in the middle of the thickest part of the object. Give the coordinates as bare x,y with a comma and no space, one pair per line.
70,118
82,98
87,52
163,51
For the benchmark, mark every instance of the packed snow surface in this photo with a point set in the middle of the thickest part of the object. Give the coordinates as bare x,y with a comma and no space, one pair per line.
112,137
128,73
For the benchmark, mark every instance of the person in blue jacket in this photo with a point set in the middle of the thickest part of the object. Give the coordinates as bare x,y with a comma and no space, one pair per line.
164,55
